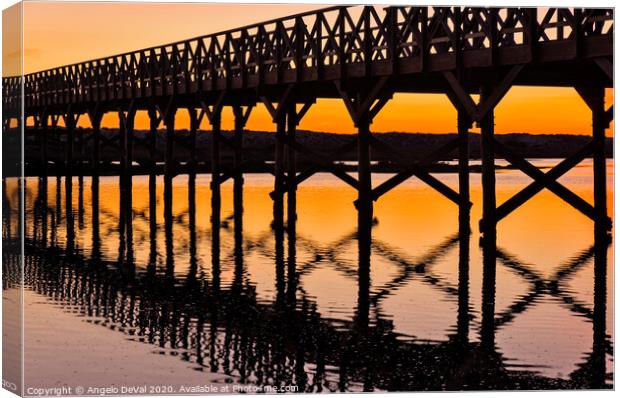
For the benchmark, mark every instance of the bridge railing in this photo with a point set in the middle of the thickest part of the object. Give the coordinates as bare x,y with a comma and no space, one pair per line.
303,47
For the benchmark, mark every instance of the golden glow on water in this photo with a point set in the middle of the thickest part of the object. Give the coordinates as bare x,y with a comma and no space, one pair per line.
413,222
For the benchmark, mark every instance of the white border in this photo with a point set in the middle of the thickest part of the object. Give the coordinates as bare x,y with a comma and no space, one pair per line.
525,3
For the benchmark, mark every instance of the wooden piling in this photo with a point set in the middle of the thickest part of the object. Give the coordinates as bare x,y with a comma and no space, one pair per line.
216,200
278,199
95,121
169,166
238,172
364,200
487,153
463,124
154,121
44,132
598,154
129,146
169,170
70,135
193,127
291,183
122,146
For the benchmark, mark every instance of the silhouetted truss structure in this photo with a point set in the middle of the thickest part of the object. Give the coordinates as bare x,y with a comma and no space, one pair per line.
329,44
362,56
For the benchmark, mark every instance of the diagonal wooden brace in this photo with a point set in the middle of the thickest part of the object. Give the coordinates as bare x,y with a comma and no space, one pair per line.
299,178
608,117
461,99
417,170
544,180
279,111
95,115
590,96
606,67
127,117
321,161
369,106
215,111
167,112
304,175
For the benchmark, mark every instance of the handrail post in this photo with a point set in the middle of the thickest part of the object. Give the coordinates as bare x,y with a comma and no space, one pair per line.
533,31
392,55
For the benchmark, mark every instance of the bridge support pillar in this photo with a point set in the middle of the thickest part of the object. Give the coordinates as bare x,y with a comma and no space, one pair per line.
56,131
193,127
70,124
154,121
487,153
463,124
95,121
362,108
169,165
278,198
492,93
291,173
364,220
43,123
364,198
216,199
594,97
127,119
169,169
599,160
240,121
286,118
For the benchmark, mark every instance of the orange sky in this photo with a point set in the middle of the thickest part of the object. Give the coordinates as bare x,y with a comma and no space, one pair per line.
62,33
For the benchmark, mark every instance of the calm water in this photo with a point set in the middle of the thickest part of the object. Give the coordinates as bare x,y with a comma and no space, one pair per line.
262,307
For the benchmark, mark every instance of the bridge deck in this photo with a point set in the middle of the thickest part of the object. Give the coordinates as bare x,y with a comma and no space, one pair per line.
412,44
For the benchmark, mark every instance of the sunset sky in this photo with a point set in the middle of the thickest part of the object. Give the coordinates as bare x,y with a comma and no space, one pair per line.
63,33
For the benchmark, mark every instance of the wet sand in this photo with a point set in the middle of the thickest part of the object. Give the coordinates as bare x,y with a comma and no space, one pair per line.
94,354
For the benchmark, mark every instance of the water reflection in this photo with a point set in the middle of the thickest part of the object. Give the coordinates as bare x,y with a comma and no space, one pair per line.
212,305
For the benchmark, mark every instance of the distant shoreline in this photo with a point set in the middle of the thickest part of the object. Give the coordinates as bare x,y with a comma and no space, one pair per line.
259,147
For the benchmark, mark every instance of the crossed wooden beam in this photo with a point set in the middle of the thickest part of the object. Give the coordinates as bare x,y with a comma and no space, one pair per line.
362,108
477,112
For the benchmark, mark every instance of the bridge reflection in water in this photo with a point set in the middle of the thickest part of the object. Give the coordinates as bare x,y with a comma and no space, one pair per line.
213,315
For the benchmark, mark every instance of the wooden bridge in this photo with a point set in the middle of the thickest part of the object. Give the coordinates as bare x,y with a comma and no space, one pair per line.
362,55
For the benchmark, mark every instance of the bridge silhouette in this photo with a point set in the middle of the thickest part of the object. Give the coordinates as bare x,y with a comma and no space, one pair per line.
361,55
